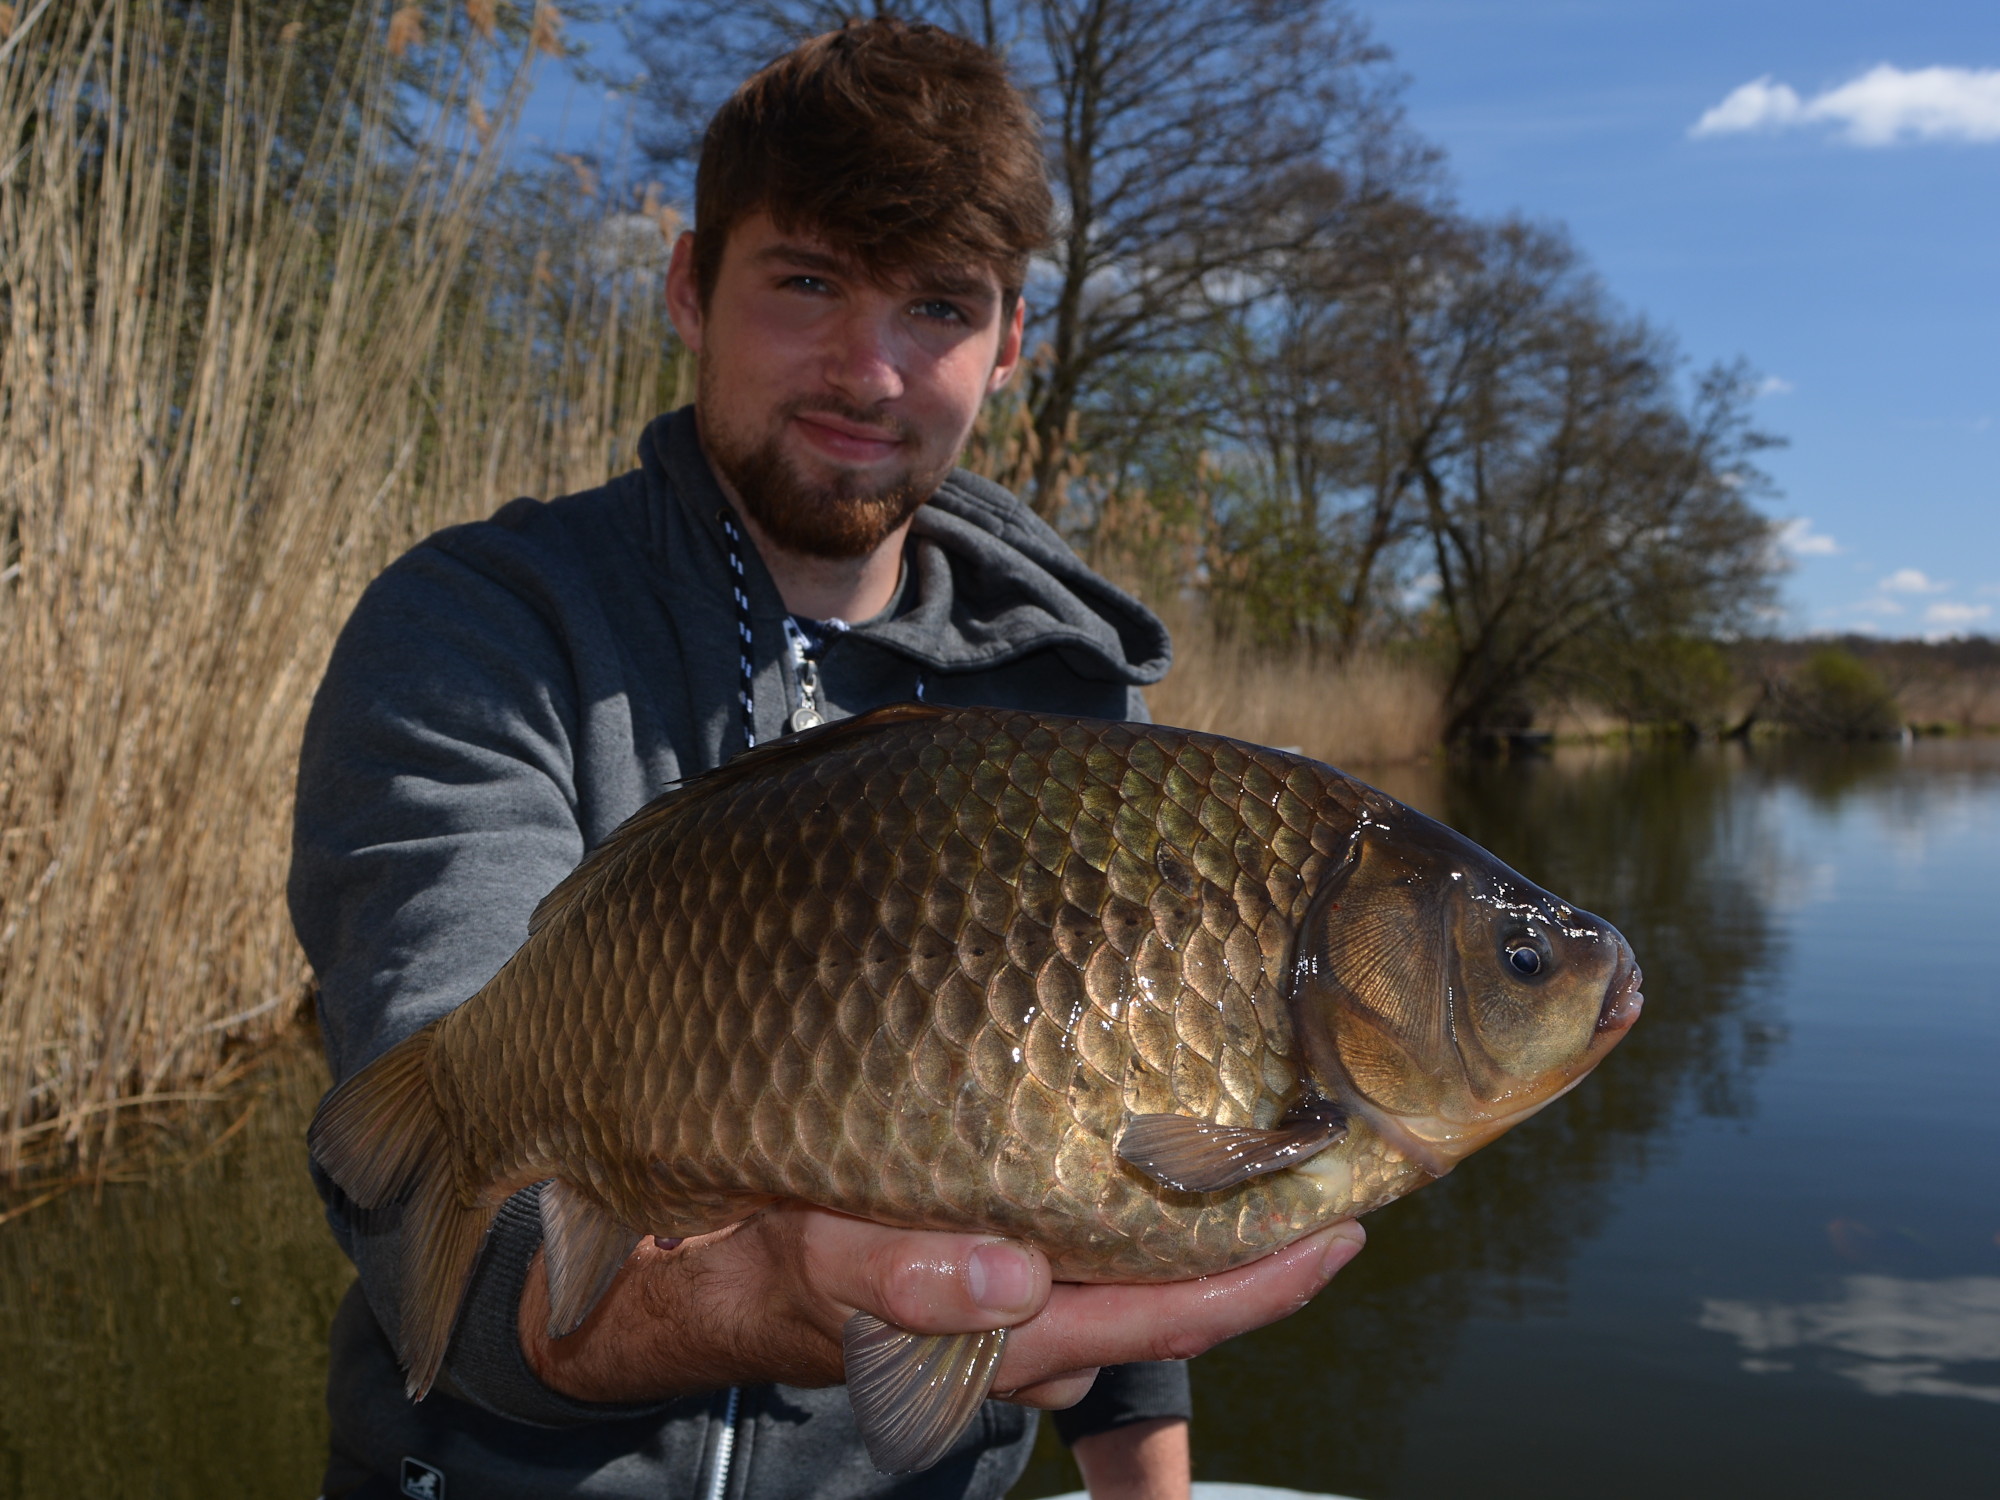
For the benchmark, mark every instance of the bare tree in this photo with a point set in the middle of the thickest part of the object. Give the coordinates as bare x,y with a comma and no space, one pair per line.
1191,143
1323,385
1574,496
1427,406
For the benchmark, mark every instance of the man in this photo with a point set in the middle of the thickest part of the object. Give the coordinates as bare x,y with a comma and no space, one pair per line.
797,545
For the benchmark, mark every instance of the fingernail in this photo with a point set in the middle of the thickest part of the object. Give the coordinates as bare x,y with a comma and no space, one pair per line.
1347,1240
999,1277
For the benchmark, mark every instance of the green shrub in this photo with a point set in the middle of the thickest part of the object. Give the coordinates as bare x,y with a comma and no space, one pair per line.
1681,681
1836,695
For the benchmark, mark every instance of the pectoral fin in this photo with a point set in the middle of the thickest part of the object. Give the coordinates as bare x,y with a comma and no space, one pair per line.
1200,1156
913,1393
583,1247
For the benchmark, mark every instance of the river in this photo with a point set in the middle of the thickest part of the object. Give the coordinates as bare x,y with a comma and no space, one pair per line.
1757,1254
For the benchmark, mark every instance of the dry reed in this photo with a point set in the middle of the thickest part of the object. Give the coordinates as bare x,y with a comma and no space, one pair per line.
1361,711
202,461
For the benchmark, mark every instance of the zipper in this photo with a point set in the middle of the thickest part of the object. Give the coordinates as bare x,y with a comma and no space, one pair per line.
806,670
725,1448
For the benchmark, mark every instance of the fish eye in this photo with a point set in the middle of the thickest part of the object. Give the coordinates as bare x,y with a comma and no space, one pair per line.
1525,959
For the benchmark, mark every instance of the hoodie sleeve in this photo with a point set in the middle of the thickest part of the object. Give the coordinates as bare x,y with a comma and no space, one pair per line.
1123,1394
436,805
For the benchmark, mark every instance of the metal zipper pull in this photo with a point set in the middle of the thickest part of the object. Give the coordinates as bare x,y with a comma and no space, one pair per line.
807,714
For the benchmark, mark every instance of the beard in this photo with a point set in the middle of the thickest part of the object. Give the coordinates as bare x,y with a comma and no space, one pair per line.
842,518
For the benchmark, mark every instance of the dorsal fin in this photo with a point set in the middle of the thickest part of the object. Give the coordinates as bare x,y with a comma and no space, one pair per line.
685,796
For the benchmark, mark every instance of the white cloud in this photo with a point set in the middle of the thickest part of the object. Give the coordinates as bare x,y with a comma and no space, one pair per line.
1884,106
1797,537
1957,616
1760,105
1911,581
1879,606
1775,385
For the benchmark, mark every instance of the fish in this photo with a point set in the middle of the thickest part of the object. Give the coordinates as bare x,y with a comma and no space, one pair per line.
1156,1001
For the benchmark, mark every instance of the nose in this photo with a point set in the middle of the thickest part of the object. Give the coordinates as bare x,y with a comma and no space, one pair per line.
862,359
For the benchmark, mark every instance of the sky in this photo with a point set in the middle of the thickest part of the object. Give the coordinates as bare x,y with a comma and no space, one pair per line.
1809,185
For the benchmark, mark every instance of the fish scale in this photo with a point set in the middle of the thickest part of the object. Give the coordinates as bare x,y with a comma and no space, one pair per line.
927,1034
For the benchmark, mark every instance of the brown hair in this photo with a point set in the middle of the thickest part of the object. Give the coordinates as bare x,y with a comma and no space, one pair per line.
898,143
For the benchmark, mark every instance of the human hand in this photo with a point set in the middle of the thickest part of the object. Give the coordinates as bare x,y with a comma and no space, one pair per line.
765,1301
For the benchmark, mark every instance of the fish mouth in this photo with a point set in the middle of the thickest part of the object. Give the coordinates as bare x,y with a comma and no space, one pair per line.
1622,1000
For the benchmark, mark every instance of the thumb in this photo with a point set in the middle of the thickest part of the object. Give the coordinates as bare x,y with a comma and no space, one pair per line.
923,1281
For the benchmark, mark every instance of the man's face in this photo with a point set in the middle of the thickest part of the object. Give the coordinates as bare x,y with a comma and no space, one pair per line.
834,405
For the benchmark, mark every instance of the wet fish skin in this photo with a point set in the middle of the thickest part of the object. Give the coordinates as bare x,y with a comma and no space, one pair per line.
929,966
925,982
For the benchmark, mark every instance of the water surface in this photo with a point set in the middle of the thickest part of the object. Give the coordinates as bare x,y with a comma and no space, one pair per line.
168,1338
1758,1253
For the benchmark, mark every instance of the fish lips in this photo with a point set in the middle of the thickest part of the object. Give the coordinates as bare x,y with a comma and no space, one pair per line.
1622,998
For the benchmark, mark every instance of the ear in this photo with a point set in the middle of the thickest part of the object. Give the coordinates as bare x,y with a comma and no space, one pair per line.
1009,358
683,299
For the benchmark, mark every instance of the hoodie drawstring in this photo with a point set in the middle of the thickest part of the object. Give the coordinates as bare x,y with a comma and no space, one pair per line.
805,656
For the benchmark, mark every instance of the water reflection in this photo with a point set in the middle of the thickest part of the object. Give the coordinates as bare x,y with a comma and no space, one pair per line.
168,1338
1826,773
1658,843
1909,1334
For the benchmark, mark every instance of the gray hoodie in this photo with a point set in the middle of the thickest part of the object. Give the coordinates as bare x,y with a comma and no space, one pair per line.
504,696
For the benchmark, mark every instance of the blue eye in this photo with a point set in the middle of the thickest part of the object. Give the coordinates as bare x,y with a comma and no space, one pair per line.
1525,960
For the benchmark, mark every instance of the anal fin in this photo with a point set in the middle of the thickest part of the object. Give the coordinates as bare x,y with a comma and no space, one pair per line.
913,1393
1200,1156
583,1247
442,1237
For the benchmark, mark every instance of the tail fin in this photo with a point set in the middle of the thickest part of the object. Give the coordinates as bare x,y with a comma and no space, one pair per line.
381,1136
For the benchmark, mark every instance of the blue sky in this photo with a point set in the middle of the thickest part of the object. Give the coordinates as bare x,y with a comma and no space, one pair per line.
1863,281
